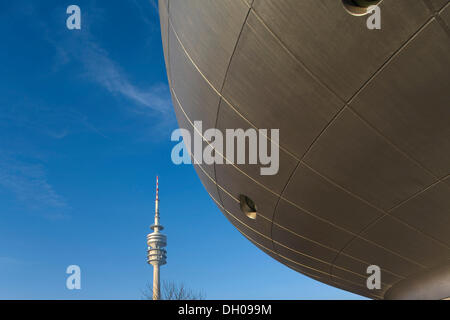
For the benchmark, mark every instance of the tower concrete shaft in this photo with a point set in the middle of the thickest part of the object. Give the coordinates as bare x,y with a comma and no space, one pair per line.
156,254
156,286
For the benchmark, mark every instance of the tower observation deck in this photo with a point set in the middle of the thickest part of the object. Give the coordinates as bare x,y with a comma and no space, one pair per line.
156,241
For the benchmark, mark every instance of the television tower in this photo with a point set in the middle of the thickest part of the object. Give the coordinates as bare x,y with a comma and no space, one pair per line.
156,254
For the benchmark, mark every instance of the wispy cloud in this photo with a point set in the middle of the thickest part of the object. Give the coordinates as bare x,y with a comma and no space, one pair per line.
154,100
83,47
25,176
29,183
144,13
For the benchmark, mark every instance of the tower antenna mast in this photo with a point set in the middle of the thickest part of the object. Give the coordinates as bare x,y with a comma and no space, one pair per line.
156,241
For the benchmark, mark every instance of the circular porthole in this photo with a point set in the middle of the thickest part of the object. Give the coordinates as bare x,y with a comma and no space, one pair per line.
248,207
359,7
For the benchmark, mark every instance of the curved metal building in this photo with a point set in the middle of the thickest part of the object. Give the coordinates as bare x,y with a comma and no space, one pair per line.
364,119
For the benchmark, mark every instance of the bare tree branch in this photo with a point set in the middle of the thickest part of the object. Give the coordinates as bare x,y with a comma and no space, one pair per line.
172,291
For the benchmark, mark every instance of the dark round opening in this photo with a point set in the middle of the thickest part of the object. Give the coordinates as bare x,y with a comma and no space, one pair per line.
359,7
248,207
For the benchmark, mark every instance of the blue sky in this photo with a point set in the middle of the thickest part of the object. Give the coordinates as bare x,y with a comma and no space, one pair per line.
85,124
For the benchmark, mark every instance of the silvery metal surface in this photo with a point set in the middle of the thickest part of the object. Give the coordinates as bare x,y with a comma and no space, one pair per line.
364,128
